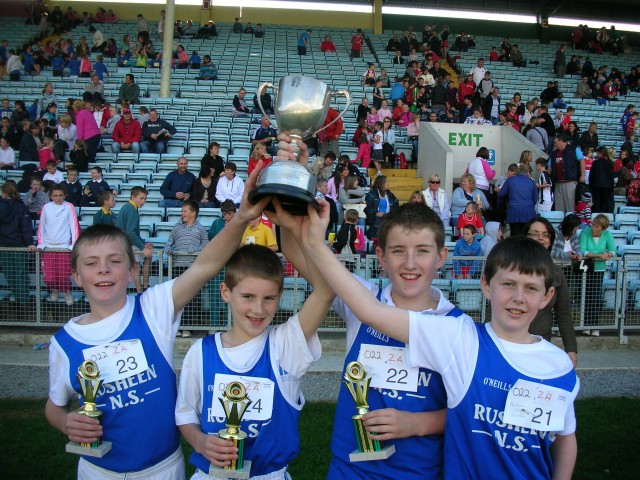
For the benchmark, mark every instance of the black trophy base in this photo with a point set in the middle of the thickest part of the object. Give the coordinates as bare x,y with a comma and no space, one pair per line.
217,472
293,199
386,452
98,452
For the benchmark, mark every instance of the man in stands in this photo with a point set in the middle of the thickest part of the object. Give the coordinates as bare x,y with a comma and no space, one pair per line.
491,106
583,90
156,133
537,135
357,42
239,103
266,134
177,185
478,72
332,133
129,90
561,61
127,134
265,101
566,171
545,121
94,90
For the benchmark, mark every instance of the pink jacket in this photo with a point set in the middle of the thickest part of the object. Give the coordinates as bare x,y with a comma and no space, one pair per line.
364,155
86,125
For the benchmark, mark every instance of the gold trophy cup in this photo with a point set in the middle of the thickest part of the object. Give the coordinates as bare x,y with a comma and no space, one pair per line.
235,404
89,378
357,382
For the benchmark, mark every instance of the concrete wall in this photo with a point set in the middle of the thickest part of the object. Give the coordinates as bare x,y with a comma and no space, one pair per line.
447,149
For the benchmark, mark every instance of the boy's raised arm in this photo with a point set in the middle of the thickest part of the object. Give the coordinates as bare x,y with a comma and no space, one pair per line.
218,251
388,320
315,308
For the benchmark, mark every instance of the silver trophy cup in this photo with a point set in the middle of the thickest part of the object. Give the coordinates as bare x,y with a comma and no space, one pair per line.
301,108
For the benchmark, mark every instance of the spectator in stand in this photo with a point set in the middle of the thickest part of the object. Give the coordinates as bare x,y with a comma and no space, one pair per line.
330,136
545,121
363,110
327,46
303,41
566,171
129,90
393,44
79,156
176,187
93,188
16,231
626,174
601,182
265,101
357,43
517,58
30,145
230,186
322,168
478,72
583,89
58,229
265,134
94,90
142,26
156,133
213,160
384,78
491,106
73,187
521,195
259,153
240,104
208,70
204,188
465,193
127,134
560,63
7,155
589,138
436,198
481,171
35,198
208,31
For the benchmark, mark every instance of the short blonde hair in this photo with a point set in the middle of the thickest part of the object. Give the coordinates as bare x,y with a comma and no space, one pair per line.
601,220
435,176
470,178
65,119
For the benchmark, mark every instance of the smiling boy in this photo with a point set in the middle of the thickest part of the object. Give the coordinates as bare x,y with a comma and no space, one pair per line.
509,394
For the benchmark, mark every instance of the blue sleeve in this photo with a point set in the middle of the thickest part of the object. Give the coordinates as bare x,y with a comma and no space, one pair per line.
167,188
457,253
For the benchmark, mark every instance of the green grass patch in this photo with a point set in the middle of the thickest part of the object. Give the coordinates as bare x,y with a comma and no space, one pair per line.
606,441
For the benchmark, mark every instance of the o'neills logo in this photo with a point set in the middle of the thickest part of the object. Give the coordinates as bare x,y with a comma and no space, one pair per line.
499,384
380,336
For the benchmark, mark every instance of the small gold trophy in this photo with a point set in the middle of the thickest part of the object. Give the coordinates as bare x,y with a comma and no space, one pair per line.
89,378
357,382
235,404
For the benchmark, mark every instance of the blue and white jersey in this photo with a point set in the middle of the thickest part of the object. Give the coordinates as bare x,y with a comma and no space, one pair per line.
137,411
270,421
415,457
478,443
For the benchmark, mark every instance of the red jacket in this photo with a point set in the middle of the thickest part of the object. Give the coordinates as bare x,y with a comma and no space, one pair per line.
335,129
464,89
127,133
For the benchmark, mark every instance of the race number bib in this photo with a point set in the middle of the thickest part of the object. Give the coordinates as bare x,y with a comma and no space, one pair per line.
259,390
118,360
387,367
536,406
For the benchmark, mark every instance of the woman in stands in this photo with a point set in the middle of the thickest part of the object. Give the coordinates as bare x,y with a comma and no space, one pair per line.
597,245
567,242
203,190
87,128
481,170
336,182
380,201
67,133
259,153
465,193
436,199
541,230
350,193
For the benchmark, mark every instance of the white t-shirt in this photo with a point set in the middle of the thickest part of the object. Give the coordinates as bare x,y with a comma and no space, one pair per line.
291,355
7,156
56,177
451,349
157,307
377,146
478,74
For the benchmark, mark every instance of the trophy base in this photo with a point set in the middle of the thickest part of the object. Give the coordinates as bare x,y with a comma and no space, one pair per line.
98,452
217,472
294,200
386,452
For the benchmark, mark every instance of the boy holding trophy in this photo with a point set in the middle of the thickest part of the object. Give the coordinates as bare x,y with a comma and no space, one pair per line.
131,340
266,361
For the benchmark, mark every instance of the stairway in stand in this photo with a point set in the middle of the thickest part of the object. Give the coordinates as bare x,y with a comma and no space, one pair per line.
401,182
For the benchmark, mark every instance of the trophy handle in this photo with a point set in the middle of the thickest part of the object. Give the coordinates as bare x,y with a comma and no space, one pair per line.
348,97
262,87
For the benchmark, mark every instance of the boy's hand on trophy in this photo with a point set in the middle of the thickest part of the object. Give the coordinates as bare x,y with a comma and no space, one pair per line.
82,429
287,151
218,451
389,423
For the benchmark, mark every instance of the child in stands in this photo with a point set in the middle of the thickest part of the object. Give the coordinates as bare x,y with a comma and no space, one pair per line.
470,217
467,246
105,215
58,229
